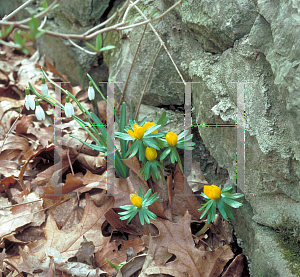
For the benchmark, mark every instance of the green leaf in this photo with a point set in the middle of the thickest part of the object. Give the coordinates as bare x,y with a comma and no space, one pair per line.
221,208
228,211
173,155
54,7
208,205
134,148
19,39
185,3
33,27
45,5
98,42
235,195
141,217
154,13
25,51
92,46
111,264
181,135
140,193
108,47
99,148
141,151
165,153
150,143
147,194
151,129
232,203
123,136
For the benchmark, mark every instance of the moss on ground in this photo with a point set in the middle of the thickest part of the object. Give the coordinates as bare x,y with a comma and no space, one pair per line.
288,238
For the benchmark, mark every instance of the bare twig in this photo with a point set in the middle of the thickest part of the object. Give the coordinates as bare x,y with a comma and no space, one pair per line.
152,19
146,84
131,66
41,14
43,23
161,41
70,161
108,20
22,7
128,9
19,24
81,48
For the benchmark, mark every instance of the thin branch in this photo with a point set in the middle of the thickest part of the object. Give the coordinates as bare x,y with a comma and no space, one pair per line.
152,19
128,9
161,41
116,27
106,21
82,49
43,23
41,14
22,7
146,84
131,66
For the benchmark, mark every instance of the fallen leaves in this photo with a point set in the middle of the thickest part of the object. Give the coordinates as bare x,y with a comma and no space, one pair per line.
176,239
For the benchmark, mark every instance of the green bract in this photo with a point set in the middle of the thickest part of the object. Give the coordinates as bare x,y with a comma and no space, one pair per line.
222,203
182,138
144,214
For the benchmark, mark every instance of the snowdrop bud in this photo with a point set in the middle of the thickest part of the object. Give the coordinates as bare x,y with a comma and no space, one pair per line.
29,101
69,110
91,92
39,112
44,87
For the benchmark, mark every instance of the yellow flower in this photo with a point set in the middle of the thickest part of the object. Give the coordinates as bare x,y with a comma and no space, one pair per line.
150,153
148,125
138,132
171,138
212,192
136,200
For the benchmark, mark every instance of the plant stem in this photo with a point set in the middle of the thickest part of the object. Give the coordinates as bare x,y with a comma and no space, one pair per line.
203,229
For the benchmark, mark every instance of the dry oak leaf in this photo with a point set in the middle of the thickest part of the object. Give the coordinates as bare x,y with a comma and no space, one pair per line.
176,239
68,244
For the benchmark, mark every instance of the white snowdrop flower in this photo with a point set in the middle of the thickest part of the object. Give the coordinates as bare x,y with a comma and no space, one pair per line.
29,100
91,92
39,112
44,87
69,110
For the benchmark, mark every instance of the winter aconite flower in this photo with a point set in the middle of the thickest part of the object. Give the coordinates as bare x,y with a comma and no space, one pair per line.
149,124
91,92
139,204
69,110
39,112
138,132
44,87
29,100
136,200
212,192
150,153
221,199
171,138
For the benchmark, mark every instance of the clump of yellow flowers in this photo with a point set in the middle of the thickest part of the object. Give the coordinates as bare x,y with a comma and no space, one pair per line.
147,142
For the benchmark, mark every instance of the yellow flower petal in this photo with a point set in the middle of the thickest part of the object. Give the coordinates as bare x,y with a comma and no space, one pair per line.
149,124
150,153
212,192
130,133
136,200
171,138
138,131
